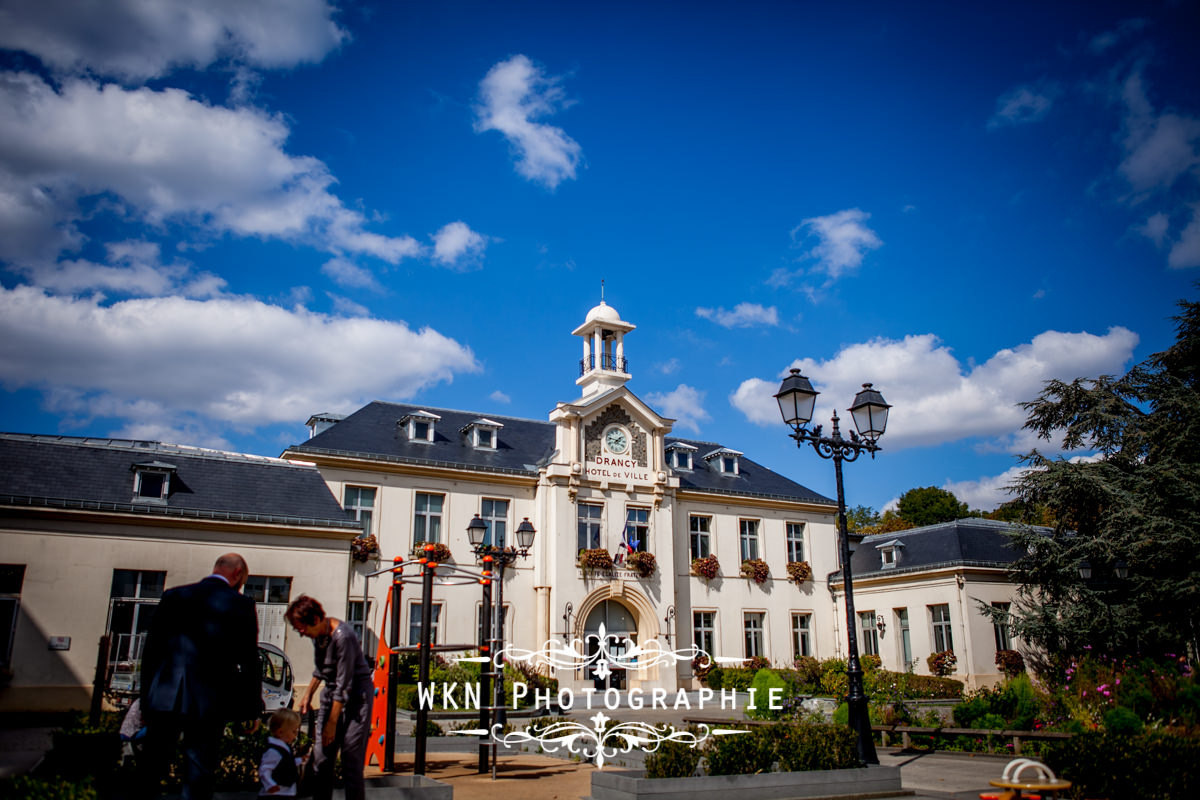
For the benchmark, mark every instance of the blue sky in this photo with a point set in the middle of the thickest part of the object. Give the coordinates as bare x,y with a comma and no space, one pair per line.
217,219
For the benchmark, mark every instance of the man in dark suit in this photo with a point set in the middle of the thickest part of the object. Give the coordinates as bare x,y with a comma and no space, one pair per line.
200,670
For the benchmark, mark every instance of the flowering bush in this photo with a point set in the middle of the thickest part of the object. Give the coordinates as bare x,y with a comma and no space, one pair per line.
1010,662
943,663
701,666
707,567
439,553
596,559
642,563
364,548
799,571
755,568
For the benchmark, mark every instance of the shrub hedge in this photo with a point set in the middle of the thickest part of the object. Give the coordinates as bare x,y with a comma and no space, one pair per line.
1159,765
793,747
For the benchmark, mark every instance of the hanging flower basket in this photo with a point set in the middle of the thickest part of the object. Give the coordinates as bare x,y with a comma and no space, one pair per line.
439,554
595,560
706,567
364,548
943,663
799,571
756,569
642,563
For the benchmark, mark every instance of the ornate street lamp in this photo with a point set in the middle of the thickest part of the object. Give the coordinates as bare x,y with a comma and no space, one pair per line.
501,557
796,398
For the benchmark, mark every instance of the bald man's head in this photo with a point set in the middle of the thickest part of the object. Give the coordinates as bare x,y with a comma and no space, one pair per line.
233,568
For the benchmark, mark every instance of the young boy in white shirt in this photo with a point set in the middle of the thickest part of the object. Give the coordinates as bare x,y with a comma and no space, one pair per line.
279,770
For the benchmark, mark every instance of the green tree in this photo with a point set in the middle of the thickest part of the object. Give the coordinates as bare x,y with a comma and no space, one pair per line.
890,522
1134,503
861,517
930,505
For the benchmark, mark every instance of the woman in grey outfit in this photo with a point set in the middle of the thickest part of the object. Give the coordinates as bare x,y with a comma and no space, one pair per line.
344,719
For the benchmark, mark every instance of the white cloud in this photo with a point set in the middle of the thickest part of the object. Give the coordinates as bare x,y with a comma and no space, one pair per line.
514,94
755,398
132,268
233,360
1022,105
668,367
1155,228
500,397
345,307
346,273
456,245
843,239
936,398
1186,251
166,157
987,492
743,315
1159,148
135,40
684,404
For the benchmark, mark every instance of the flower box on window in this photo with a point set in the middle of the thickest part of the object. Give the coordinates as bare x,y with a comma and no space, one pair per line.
642,563
756,569
439,554
595,560
799,571
364,548
706,567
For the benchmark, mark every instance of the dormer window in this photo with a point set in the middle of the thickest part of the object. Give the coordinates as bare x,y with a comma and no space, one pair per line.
889,553
419,426
724,461
679,455
152,481
482,433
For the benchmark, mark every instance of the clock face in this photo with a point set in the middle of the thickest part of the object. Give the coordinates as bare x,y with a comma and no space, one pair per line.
616,440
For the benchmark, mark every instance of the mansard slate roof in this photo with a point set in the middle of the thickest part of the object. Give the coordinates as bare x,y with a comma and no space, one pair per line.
971,542
98,474
523,446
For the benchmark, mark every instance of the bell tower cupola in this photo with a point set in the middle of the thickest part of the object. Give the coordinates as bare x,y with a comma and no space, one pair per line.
603,365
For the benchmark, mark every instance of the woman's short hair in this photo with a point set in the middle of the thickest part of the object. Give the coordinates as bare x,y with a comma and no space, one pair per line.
304,610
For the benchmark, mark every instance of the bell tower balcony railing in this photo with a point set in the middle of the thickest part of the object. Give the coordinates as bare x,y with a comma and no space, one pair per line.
608,361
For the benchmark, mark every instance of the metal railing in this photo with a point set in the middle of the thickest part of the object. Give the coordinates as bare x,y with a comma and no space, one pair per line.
608,361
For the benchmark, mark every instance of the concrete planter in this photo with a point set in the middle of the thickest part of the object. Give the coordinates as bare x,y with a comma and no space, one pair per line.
633,785
385,787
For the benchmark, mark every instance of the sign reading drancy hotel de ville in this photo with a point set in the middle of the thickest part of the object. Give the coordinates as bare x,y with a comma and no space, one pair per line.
615,449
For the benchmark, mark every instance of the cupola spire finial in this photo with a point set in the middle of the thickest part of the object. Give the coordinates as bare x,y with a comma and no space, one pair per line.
602,290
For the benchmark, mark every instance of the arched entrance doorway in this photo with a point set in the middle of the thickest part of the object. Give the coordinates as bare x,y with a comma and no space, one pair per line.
620,628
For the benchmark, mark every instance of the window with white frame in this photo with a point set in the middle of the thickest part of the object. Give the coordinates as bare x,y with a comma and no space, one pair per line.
700,541
1000,629
801,634
414,623
752,626
589,525
729,465
12,579
271,594
419,426
357,614
906,656
748,538
494,514
679,455
152,482
482,433
704,631
427,517
360,502
869,635
637,528
479,622
795,541
889,553
723,460
133,597
939,617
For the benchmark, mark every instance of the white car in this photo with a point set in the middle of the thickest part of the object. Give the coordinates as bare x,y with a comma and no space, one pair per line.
276,678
